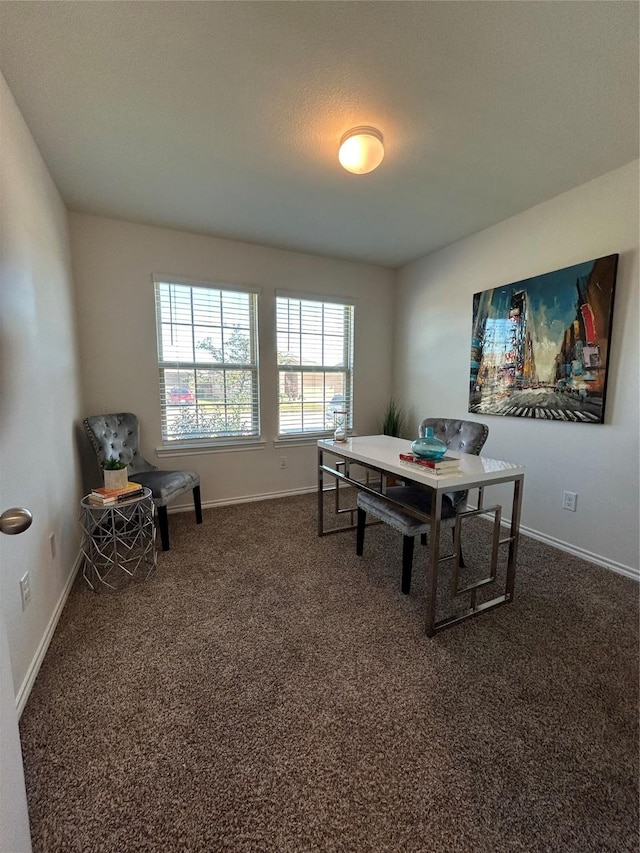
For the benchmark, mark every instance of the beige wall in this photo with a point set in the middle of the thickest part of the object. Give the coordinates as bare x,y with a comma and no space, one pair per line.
39,401
113,264
433,334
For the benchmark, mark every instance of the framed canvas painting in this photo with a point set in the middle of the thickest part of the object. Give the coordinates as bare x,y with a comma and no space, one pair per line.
540,347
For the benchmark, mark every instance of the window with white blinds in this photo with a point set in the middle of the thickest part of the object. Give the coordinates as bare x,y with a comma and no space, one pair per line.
315,363
207,360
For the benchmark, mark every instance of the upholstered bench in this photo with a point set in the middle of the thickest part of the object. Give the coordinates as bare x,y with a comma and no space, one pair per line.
406,524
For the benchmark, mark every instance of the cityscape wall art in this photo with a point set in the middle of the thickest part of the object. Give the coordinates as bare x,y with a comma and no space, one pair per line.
540,347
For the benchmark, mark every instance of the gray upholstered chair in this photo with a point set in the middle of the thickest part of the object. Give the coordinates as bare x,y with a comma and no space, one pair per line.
464,436
118,436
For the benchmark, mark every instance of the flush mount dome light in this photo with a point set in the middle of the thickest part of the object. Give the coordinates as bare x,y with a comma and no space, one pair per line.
361,150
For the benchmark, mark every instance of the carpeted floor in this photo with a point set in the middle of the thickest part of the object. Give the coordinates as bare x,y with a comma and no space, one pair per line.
268,690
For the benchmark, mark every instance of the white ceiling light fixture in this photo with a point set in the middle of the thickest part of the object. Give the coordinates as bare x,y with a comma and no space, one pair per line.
361,150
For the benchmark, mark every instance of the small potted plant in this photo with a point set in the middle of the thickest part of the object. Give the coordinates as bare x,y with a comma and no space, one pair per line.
394,418
393,424
115,474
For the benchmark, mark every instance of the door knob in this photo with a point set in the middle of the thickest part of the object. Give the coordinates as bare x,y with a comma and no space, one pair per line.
15,520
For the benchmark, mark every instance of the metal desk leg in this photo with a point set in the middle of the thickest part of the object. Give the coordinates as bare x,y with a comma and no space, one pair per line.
515,534
320,495
434,562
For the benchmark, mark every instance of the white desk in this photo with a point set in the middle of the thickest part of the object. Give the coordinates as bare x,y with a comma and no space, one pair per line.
380,453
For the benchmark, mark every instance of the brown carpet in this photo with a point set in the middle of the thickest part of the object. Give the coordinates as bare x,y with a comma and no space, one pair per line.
268,690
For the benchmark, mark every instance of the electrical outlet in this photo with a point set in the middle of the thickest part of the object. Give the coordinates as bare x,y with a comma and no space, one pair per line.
283,461
25,590
570,501
52,545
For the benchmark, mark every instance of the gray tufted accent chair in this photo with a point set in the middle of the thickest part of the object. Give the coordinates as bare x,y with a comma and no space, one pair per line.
118,436
463,436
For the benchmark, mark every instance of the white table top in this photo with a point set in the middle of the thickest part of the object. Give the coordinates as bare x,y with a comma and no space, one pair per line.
382,451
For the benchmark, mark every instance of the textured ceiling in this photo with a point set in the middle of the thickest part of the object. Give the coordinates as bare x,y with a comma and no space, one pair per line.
224,118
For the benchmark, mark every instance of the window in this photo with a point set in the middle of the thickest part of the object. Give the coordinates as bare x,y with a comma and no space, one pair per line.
315,363
207,360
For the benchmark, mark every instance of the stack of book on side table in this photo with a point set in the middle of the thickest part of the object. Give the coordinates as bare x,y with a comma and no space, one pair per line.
107,497
445,466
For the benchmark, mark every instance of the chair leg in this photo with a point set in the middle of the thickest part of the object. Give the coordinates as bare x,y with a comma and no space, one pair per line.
453,536
407,561
197,504
163,521
362,518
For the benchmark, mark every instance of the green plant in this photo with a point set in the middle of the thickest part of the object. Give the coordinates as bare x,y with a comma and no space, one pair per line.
113,464
394,418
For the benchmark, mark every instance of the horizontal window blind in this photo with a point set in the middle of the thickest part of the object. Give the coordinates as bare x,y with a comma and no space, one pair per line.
207,361
315,363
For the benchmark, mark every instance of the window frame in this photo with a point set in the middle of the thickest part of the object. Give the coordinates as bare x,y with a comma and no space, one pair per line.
212,440
348,304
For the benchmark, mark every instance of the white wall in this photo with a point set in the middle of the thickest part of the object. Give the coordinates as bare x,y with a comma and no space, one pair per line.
113,264
39,393
433,336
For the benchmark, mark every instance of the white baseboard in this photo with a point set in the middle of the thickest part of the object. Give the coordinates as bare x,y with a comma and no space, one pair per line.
619,568
568,548
245,499
36,663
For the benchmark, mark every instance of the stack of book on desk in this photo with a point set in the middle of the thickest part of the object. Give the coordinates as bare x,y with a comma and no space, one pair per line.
446,466
106,497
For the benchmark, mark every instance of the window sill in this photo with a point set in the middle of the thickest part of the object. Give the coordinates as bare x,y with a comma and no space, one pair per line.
185,448
310,439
